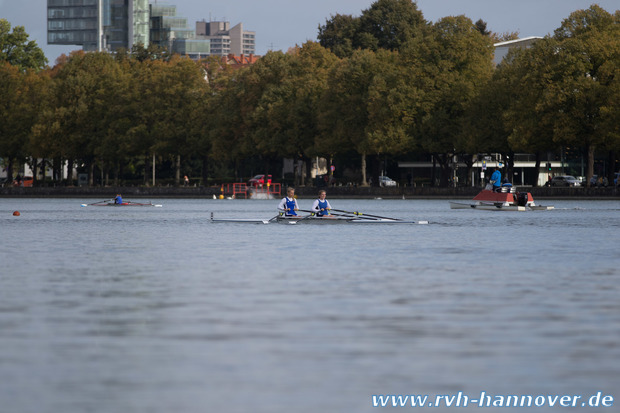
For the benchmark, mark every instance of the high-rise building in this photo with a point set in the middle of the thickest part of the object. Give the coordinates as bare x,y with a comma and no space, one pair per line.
75,22
114,24
172,32
226,40
98,24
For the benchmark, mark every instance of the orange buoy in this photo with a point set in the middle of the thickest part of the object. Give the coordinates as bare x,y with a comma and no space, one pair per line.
16,213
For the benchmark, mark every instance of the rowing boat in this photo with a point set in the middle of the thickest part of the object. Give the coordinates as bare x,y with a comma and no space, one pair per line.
124,204
314,219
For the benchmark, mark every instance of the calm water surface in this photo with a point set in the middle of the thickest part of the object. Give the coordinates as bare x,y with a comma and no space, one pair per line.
110,310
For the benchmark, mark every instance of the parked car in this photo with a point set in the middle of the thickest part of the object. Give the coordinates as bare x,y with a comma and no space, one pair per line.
24,181
259,180
564,180
386,181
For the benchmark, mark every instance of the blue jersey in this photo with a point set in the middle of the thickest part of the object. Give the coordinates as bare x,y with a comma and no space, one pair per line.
323,208
291,204
497,177
118,200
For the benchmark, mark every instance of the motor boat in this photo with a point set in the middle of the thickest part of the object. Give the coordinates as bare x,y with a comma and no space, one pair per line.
508,199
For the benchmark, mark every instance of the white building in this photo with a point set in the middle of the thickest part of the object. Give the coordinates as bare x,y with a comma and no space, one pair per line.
226,40
502,48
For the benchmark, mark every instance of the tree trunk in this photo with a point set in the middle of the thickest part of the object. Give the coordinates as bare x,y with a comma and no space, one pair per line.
590,167
469,164
57,169
205,170
445,168
537,169
433,170
612,167
70,172
375,170
147,169
177,172
91,174
117,172
9,172
35,168
306,179
43,169
364,180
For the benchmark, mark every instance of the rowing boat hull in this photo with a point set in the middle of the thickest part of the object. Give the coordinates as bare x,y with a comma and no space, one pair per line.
314,220
124,204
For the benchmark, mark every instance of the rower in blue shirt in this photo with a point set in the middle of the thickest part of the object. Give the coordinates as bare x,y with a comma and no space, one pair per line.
118,200
289,203
321,206
496,180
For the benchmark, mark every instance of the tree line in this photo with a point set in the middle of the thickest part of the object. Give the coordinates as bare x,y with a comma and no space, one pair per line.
385,85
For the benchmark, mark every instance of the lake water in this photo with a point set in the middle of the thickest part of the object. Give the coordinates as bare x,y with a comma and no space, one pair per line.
158,310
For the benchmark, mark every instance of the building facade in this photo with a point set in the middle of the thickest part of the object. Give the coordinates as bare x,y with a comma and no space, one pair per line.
502,48
173,33
98,24
109,25
226,40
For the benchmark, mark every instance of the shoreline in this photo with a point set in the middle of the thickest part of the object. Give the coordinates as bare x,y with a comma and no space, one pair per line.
336,192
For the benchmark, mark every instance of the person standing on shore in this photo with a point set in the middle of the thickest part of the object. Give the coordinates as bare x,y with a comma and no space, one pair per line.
289,203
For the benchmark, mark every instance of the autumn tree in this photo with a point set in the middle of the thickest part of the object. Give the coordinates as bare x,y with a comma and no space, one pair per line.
20,104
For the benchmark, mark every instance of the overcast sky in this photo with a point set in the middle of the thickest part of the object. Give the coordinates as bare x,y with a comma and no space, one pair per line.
280,24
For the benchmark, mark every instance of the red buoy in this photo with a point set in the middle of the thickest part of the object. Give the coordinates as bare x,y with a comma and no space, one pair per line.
16,213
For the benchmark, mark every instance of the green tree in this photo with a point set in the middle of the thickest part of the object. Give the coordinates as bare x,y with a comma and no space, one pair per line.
285,117
455,61
390,24
368,108
20,105
526,79
387,24
84,100
180,90
17,50
587,61
338,34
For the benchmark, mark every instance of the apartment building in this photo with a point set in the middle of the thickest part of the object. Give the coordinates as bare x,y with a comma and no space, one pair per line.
226,40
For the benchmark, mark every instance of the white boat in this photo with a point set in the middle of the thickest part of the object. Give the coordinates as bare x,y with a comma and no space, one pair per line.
314,219
507,200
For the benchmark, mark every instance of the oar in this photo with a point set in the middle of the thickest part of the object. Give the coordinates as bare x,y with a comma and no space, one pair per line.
272,219
106,200
317,212
304,218
361,215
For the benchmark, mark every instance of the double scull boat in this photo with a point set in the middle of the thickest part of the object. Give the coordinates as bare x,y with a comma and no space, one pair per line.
315,219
